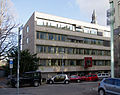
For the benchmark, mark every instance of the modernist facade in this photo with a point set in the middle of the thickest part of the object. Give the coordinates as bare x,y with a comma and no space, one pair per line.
116,16
67,45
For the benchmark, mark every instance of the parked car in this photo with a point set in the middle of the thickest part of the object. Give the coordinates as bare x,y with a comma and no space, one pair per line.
103,75
83,78
60,78
109,85
75,78
31,78
91,77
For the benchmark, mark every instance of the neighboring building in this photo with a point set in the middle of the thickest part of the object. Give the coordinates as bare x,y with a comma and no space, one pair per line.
67,45
116,16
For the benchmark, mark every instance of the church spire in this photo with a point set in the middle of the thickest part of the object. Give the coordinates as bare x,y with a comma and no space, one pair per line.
94,21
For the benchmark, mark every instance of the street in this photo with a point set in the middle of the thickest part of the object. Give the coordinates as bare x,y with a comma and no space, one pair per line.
83,88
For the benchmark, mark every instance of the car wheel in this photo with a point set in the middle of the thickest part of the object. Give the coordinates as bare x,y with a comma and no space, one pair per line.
101,92
66,82
51,82
78,81
36,83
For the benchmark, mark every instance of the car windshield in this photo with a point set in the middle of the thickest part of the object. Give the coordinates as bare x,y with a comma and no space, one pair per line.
73,76
27,75
99,74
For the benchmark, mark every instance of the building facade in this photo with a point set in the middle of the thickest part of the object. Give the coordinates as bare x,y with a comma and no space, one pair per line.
116,16
67,45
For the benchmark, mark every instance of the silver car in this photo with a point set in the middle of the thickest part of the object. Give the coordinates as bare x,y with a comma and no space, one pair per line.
109,85
60,78
103,75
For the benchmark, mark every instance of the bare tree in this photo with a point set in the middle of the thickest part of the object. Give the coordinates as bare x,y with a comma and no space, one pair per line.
7,26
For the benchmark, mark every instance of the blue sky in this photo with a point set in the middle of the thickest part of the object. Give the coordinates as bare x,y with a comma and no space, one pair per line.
74,9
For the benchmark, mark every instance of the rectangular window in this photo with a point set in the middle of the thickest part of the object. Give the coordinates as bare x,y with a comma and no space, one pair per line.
86,51
50,37
87,41
59,37
81,51
70,50
100,33
42,35
63,38
86,30
49,49
55,37
38,35
94,31
45,49
40,22
42,63
72,62
40,49
61,50
79,29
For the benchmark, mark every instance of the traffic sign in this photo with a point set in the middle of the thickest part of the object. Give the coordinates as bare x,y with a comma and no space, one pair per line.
11,63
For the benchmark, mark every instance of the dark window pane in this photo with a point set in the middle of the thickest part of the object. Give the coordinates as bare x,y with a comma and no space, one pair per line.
37,35
50,37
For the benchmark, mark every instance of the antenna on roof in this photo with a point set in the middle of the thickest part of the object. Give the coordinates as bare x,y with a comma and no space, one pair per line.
94,21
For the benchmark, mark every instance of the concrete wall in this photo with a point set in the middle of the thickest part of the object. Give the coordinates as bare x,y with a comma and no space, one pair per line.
30,35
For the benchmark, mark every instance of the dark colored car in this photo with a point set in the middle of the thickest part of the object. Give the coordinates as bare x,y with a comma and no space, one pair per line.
91,77
75,78
109,86
60,78
31,78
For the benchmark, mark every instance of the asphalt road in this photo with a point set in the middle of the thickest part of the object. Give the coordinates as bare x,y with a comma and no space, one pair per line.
84,88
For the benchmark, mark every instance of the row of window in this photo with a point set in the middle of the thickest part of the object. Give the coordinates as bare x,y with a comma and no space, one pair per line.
74,39
68,50
67,62
43,22
60,25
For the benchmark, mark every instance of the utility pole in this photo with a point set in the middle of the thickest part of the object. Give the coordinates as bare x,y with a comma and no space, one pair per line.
110,21
112,39
18,66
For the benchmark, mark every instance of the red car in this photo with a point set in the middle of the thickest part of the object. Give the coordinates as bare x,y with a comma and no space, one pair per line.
83,78
75,78
91,77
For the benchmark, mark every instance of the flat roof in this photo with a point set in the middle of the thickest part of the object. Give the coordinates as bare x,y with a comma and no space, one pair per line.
69,21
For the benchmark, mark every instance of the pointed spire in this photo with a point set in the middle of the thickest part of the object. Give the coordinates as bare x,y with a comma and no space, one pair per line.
94,21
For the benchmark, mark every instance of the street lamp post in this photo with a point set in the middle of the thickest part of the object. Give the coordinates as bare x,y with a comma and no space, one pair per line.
112,41
18,66
110,21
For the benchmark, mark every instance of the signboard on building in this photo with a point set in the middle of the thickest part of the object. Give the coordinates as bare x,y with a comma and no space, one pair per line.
88,62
